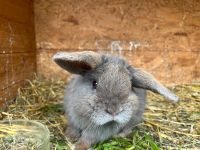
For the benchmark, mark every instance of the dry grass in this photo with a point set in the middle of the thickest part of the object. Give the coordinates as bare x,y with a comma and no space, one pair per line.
23,135
166,125
175,125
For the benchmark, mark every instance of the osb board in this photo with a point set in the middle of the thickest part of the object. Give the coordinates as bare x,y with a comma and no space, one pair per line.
158,35
155,24
17,46
170,68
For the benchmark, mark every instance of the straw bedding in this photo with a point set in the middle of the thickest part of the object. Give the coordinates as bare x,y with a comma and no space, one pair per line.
165,126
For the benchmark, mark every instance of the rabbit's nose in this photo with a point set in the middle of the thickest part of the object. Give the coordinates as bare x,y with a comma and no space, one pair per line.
111,112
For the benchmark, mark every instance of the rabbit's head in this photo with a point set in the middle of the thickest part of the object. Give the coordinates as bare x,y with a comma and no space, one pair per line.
109,83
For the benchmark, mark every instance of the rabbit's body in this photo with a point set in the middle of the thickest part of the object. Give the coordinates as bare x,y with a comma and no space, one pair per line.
107,98
81,100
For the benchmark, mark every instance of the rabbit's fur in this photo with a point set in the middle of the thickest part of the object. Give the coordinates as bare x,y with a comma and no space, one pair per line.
106,98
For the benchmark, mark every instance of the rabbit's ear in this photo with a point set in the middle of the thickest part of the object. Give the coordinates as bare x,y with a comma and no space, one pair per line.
142,79
77,62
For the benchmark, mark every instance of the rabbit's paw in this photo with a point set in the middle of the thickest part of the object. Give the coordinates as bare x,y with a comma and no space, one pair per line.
124,133
81,145
72,134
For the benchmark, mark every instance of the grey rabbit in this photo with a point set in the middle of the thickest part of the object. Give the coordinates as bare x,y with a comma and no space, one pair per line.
106,98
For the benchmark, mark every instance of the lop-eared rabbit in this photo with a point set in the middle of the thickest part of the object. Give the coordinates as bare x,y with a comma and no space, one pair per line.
106,97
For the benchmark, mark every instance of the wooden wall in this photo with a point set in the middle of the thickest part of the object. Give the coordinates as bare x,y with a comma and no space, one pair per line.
17,46
161,36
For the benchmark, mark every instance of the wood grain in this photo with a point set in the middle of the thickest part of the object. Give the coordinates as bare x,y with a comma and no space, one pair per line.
14,66
16,10
161,36
15,37
168,67
17,46
155,24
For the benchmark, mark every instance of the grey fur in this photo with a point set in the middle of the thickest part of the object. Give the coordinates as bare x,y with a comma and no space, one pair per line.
117,103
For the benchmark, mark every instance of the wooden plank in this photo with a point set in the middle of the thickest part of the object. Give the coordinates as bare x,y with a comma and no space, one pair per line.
10,77
14,66
16,43
169,67
16,10
12,27
6,93
17,46
16,37
11,80
11,91
9,61
154,24
21,76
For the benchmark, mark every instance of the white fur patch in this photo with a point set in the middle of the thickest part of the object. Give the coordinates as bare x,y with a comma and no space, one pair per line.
102,118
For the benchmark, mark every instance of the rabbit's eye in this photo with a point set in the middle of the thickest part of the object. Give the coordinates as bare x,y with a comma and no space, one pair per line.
94,84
